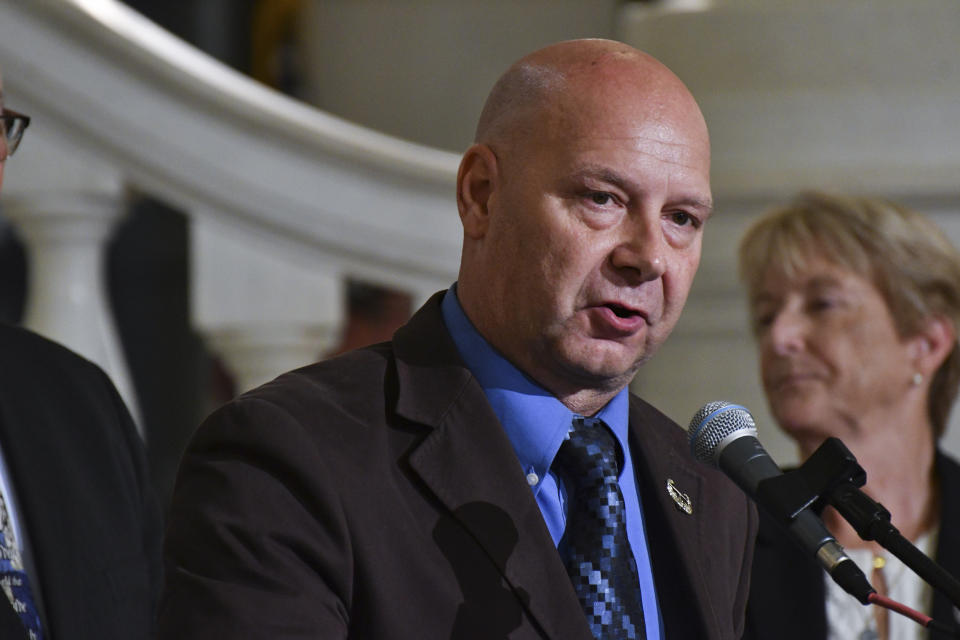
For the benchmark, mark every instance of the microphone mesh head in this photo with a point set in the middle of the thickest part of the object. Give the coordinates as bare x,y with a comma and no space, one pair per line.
712,424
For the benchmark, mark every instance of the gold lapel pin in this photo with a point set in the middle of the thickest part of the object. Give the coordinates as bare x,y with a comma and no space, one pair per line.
681,499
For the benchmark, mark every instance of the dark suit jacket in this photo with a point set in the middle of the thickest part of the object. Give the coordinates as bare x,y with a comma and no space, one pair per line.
83,493
787,592
377,496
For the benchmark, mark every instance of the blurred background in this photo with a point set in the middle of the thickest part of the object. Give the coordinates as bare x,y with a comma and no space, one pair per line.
214,191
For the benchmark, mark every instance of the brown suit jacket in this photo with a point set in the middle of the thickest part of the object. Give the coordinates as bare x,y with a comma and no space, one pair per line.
376,495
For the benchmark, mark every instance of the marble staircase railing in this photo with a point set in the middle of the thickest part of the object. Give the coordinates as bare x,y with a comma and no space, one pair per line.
284,202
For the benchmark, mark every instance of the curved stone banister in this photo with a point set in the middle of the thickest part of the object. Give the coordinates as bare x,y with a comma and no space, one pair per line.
124,31
200,135
284,202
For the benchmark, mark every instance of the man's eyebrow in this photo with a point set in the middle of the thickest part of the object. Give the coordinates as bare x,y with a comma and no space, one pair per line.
604,174
705,206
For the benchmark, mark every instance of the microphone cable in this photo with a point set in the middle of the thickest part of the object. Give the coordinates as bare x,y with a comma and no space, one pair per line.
922,619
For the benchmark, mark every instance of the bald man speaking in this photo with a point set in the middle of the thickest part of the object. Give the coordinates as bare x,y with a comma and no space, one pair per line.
487,474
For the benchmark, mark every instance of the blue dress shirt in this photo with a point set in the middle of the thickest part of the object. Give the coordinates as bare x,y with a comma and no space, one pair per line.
536,424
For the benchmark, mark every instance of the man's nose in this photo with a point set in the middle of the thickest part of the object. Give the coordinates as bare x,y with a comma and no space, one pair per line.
642,251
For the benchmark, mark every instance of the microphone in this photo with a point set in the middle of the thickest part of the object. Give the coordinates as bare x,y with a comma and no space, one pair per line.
724,435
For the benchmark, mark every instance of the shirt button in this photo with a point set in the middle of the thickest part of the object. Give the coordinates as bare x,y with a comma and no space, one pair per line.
532,479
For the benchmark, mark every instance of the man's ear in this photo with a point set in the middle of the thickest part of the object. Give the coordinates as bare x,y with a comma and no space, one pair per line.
476,181
932,344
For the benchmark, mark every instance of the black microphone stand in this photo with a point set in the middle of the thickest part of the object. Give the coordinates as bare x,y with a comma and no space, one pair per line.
832,475
872,522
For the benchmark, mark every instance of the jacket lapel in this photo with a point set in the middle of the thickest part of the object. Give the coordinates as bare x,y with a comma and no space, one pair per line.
467,461
675,537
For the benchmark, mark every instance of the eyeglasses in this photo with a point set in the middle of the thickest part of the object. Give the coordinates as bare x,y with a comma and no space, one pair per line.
14,124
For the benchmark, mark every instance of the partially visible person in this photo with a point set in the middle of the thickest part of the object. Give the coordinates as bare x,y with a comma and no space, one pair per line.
373,314
487,474
79,527
855,303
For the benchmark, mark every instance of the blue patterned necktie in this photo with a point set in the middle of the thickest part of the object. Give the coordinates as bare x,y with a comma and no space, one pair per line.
13,578
594,545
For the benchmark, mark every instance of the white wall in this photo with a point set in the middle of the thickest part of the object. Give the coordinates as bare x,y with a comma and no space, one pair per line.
421,69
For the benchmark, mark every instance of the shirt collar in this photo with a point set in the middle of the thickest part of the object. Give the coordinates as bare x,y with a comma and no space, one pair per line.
534,420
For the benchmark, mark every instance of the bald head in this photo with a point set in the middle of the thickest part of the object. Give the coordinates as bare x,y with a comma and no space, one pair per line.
544,88
582,202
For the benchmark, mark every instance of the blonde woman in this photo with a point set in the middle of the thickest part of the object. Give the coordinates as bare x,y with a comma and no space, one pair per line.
854,303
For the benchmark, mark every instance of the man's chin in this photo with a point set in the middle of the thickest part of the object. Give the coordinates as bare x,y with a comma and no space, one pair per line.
602,371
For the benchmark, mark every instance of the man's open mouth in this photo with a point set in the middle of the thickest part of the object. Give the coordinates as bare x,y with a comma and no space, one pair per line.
620,311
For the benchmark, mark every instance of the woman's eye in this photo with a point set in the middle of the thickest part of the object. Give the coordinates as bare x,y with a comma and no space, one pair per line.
762,321
822,304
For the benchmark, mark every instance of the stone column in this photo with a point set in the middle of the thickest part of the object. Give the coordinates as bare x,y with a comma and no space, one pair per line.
65,203
265,305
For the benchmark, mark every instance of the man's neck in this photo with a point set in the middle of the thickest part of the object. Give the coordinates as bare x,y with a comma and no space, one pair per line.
587,402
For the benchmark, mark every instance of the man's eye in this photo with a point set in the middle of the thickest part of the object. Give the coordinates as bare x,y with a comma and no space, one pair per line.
682,219
601,198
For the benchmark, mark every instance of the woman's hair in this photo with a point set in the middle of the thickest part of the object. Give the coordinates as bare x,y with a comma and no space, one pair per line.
907,257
